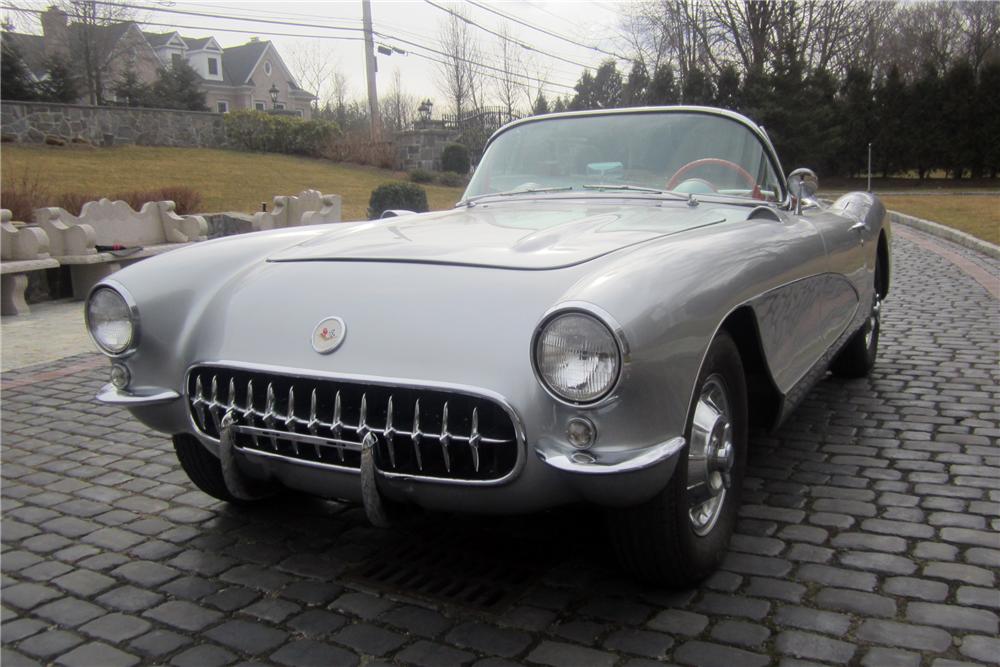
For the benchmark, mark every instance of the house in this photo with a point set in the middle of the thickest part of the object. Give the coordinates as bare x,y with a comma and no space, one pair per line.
238,77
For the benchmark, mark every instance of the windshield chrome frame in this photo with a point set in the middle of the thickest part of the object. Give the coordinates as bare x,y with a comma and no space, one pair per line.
758,131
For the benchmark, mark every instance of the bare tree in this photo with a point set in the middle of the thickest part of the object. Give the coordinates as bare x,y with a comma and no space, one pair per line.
510,82
316,69
459,78
981,29
91,47
398,106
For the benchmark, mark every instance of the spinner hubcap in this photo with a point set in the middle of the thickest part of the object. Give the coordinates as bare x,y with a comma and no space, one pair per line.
711,455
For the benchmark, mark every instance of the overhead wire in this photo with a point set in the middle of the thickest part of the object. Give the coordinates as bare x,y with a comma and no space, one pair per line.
545,31
506,38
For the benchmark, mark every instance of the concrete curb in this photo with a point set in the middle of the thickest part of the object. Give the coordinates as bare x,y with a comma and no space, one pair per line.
953,235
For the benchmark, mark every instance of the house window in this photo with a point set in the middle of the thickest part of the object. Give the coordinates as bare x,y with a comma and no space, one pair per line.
223,106
267,67
175,59
259,106
299,113
213,66
279,105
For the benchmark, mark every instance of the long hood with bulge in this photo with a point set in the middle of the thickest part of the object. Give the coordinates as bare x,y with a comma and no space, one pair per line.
528,235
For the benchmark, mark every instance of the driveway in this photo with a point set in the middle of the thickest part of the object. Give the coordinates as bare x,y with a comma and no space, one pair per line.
869,536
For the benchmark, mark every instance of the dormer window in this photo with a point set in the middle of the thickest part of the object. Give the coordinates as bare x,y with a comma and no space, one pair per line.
213,66
267,67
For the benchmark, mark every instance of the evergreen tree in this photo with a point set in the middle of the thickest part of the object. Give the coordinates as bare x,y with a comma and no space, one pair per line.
15,80
891,150
925,121
559,105
662,88
958,92
989,130
130,91
60,83
541,105
584,93
858,105
727,88
608,86
178,87
697,88
636,87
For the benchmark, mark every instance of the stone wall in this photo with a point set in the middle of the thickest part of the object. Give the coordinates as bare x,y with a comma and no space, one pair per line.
421,149
38,122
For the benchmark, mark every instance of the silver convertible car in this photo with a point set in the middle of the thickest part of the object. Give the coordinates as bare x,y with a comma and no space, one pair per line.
617,300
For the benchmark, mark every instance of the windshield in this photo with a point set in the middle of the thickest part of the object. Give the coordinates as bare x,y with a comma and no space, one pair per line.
685,152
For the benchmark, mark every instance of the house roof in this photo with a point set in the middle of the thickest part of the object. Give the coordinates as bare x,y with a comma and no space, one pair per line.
238,62
156,39
31,49
198,43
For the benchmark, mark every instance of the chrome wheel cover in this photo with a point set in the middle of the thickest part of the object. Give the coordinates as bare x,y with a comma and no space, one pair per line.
711,455
872,323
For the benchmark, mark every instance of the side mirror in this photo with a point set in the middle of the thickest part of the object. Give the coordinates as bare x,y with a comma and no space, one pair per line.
803,184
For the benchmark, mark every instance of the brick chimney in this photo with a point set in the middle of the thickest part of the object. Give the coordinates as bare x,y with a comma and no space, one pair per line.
55,32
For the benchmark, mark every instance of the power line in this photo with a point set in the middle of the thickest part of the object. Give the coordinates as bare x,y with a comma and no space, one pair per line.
543,30
207,29
506,38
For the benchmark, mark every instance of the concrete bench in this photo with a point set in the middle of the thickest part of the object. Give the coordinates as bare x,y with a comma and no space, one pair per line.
309,207
23,249
154,229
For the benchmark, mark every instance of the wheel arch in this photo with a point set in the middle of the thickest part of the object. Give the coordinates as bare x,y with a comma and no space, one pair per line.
763,398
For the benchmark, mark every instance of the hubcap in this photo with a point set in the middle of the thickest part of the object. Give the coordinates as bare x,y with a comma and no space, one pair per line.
871,326
711,455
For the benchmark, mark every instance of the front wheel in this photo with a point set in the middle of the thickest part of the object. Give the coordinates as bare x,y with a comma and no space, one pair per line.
857,358
680,536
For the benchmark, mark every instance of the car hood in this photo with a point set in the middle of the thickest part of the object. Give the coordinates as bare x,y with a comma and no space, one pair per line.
529,235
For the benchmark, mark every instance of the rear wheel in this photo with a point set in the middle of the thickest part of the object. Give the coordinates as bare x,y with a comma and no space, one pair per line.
857,358
680,536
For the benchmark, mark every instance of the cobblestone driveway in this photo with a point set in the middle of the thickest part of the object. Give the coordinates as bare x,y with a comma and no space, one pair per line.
869,536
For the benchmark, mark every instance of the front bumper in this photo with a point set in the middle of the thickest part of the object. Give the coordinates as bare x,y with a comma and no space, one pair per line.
546,476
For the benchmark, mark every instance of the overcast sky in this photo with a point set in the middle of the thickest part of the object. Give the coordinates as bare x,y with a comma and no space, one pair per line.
590,23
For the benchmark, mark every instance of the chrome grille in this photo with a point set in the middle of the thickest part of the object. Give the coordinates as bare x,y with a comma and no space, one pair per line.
432,433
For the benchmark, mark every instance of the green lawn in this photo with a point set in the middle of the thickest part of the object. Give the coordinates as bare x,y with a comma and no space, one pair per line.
978,215
226,180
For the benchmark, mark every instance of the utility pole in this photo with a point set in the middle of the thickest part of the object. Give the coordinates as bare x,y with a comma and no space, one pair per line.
370,68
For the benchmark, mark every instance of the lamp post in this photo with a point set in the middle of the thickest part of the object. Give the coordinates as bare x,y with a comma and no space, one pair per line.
273,92
424,110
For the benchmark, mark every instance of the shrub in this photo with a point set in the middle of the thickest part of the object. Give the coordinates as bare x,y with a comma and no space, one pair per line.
186,200
421,176
22,193
397,195
73,201
356,147
451,179
455,157
272,133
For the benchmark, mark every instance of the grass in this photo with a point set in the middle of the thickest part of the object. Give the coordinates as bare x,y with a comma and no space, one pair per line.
978,215
226,180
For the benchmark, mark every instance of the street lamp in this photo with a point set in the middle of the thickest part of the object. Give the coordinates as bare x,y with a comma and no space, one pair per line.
425,111
273,92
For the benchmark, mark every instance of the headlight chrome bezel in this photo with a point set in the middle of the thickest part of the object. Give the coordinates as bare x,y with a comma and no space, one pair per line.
605,320
133,311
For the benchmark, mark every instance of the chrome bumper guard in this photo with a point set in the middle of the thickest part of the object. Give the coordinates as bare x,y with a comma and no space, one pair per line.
628,462
112,395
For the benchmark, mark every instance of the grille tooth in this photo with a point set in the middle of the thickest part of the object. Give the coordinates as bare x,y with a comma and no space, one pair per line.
389,433
474,438
199,402
428,442
445,438
417,435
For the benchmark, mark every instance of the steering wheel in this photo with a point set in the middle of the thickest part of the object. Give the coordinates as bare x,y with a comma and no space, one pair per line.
694,164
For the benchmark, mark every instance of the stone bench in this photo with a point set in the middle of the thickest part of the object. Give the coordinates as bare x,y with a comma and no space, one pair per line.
154,229
23,249
309,207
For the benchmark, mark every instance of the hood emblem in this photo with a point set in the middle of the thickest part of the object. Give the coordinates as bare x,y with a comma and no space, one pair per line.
328,335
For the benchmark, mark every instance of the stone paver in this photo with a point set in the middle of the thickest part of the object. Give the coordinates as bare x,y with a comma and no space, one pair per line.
869,534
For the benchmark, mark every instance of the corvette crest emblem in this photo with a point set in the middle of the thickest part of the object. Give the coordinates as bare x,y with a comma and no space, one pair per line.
328,335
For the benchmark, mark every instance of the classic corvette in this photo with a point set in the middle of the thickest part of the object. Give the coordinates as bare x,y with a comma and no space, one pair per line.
618,298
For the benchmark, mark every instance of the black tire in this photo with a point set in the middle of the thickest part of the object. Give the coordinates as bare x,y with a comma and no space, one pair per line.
857,358
656,541
202,467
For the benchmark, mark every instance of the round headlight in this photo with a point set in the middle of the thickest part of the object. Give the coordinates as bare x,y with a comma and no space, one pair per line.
577,357
109,319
